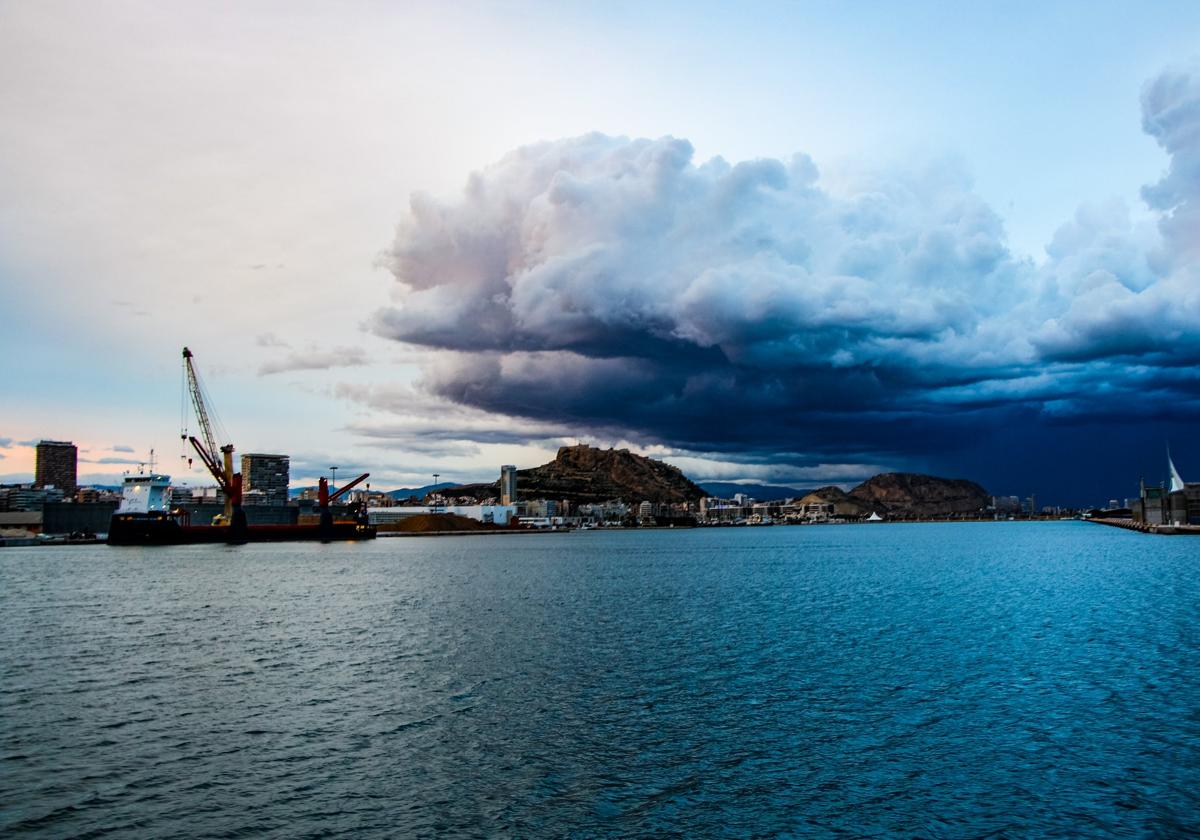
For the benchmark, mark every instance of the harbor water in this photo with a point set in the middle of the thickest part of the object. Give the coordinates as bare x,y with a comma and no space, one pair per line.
940,680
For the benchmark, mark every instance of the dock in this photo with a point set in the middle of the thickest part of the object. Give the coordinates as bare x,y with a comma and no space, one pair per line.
1145,528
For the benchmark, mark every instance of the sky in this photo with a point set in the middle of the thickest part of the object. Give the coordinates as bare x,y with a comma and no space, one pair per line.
796,243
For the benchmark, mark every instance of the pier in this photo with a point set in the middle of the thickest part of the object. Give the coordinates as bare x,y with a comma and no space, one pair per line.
1144,528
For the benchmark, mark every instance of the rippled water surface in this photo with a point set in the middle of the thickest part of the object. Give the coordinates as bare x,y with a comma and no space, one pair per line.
1001,679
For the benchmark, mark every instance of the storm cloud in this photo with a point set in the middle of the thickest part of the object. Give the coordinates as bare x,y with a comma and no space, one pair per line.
607,282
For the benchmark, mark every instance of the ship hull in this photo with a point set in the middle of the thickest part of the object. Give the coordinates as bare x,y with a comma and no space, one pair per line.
159,529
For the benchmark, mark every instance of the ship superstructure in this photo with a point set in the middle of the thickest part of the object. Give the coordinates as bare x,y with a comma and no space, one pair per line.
146,493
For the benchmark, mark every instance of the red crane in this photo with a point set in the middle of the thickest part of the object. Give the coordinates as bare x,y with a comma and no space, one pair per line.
325,498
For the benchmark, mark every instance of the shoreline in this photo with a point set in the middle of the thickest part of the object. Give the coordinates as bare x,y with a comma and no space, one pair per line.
31,542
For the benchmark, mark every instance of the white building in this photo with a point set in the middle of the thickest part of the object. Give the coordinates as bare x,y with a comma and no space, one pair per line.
494,514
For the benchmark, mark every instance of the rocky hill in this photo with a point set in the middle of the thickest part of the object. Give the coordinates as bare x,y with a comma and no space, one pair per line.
915,496
582,474
843,504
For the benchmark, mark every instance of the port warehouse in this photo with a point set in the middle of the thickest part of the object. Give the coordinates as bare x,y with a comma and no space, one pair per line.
1160,506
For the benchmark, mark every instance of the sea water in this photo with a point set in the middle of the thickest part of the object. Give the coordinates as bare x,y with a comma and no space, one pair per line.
957,680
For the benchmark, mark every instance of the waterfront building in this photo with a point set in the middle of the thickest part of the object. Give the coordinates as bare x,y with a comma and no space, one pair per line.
611,511
94,495
32,498
1177,505
265,479
490,514
183,496
1006,504
821,511
369,498
540,508
508,484
56,466
20,523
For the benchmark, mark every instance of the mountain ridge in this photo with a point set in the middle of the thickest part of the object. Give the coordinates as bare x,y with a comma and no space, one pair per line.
920,496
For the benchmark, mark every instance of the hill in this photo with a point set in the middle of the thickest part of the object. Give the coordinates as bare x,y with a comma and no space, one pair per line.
420,492
582,474
843,504
916,496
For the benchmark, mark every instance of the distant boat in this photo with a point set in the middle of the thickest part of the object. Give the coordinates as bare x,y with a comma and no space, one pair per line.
874,517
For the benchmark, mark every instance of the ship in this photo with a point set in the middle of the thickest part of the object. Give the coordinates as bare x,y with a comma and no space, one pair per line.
145,515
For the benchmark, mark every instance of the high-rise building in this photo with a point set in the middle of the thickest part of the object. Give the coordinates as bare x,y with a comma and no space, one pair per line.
56,463
265,479
508,485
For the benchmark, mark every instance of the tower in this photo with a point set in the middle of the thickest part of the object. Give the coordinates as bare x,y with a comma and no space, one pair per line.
56,465
508,485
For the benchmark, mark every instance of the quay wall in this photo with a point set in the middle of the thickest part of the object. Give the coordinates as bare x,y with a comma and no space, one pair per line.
66,517
1147,528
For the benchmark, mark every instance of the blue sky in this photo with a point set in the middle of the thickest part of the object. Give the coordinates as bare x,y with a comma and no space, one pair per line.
232,177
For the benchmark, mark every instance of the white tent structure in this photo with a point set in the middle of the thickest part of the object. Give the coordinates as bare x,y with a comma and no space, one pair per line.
1176,481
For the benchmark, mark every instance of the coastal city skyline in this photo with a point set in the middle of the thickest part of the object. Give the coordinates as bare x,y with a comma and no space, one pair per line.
871,264
265,481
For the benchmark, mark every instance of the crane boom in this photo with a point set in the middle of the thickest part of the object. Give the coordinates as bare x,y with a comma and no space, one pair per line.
217,472
218,459
325,498
211,454
345,488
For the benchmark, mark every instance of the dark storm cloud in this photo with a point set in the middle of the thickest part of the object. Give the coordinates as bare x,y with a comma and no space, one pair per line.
616,283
